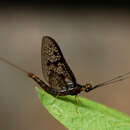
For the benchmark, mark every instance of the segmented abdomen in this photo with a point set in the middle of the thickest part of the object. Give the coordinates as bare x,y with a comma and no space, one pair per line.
54,91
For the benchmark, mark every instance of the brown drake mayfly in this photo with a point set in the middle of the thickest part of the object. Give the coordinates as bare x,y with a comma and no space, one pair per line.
57,74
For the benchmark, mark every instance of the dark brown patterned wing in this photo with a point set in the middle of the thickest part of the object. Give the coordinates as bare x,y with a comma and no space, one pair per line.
56,71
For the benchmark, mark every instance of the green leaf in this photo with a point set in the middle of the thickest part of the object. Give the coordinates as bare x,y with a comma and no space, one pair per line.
86,115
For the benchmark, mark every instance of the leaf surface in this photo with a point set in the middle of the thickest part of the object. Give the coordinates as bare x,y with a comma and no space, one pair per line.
86,115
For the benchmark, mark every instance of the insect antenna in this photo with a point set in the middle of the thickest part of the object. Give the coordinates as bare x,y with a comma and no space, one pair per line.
108,82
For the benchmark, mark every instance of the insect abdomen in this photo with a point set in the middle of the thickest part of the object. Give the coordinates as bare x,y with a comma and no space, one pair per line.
52,91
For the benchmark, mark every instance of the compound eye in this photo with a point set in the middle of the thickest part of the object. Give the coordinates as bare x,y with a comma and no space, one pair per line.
88,85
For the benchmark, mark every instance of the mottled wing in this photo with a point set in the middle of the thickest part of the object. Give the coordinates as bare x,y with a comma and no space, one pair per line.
56,71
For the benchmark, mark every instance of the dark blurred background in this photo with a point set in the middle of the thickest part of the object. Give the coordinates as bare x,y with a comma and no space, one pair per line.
95,40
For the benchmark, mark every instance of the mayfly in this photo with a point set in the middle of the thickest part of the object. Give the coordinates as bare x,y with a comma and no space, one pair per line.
60,80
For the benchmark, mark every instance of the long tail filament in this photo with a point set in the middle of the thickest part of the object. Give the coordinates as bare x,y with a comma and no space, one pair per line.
13,65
